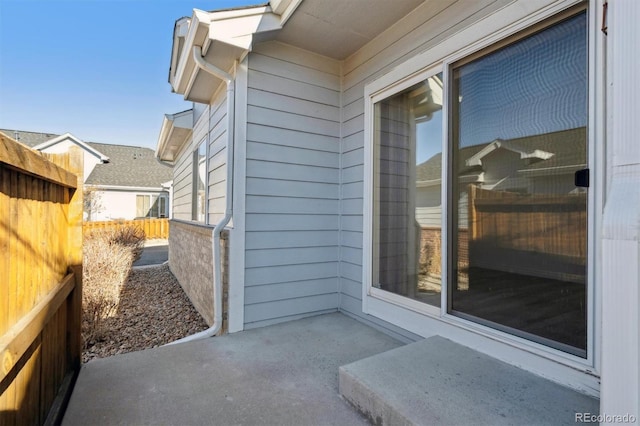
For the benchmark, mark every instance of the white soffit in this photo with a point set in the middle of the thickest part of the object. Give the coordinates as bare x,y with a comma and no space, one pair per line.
175,131
338,28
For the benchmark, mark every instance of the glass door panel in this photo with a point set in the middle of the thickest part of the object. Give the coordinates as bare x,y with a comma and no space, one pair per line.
407,192
519,221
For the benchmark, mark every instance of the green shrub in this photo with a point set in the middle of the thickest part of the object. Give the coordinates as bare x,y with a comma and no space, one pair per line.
108,258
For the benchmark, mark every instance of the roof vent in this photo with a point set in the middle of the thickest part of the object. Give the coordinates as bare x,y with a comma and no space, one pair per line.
16,135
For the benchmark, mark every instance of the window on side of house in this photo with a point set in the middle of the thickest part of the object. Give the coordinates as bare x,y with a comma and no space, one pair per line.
151,206
516,247
199,171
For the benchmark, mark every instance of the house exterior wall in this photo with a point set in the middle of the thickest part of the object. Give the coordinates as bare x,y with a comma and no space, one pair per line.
210,124
413,34
117,204
90,160
191,262
183,169
217,158
182,184
292,185
620,389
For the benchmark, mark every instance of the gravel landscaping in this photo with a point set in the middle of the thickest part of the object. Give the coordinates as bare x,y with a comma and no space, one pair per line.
153,311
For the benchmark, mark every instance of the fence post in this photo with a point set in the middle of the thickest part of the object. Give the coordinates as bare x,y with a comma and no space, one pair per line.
74,255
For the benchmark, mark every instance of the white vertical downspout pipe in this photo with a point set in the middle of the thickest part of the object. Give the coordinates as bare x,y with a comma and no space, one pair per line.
228,214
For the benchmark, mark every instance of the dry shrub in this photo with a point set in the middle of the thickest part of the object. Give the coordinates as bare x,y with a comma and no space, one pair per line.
108,257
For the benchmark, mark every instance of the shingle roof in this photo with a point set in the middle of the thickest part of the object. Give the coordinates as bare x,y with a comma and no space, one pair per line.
128,166
30,139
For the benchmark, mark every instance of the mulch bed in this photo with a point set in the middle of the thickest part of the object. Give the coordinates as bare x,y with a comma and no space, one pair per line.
153,311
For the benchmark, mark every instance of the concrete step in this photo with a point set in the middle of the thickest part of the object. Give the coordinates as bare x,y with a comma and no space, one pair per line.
437,381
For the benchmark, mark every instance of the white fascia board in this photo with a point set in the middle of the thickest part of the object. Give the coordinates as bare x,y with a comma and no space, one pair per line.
80,143
291,7
196,36
128,188
180,31
279,6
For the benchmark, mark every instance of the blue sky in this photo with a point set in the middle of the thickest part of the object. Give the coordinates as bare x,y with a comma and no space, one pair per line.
96,69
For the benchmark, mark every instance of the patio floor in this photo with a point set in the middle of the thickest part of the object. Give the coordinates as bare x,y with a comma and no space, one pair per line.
281,374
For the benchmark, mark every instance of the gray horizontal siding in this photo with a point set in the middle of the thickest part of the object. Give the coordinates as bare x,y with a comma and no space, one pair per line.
292,185
217,159
183,170
282,309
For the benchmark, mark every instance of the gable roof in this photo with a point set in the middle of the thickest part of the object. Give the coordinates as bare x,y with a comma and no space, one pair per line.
131,166
30,139
81,144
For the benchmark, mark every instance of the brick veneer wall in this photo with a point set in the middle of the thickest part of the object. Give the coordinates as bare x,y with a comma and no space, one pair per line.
191,261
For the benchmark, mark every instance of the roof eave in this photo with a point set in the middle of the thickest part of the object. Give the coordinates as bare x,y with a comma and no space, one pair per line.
224,37
75,140
174,133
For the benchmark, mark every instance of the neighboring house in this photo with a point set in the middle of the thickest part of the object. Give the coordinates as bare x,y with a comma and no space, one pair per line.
323,125
121,182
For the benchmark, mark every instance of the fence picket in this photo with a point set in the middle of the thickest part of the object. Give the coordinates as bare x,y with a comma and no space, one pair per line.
153,228
41,239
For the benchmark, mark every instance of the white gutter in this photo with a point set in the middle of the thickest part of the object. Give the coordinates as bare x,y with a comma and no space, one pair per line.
217,264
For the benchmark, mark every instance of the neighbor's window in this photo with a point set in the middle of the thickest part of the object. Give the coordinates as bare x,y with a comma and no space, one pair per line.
151,206
199,182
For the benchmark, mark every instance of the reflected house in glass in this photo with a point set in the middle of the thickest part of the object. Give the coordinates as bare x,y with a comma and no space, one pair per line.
417,165
482,168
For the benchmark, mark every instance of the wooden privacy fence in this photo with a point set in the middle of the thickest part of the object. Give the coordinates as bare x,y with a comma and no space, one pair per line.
540,235
40,282
153,228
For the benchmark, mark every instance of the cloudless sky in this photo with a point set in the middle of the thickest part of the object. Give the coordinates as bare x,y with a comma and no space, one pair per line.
97,69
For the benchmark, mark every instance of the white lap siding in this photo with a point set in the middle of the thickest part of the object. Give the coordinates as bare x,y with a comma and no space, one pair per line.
292,185
211,124
183,170
217,158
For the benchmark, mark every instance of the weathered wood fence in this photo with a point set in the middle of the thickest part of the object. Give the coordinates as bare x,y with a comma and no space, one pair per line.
530,234
40,282
153,228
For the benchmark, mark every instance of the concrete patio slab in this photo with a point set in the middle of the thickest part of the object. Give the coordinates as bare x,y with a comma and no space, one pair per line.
286,374
438,382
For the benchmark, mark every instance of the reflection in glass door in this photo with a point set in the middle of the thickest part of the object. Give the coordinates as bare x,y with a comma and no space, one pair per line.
519,221
407,192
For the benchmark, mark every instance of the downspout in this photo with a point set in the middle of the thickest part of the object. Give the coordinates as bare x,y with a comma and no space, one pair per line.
228,214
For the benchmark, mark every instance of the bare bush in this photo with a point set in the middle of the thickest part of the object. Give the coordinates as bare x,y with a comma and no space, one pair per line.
108,257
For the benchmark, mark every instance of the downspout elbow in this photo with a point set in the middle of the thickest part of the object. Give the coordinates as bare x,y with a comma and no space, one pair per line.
210,68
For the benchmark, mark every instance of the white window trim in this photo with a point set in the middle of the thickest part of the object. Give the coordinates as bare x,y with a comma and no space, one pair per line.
194,170
426,320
